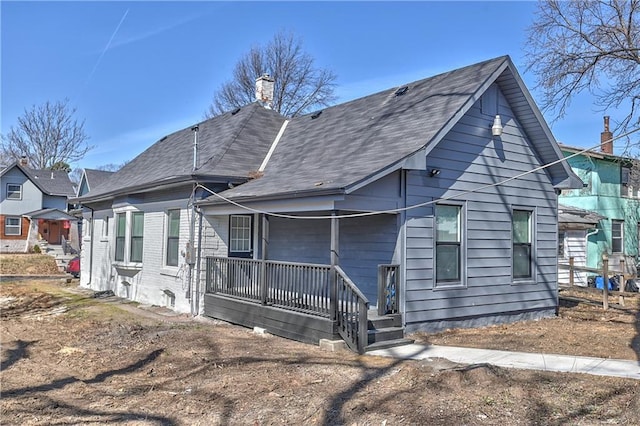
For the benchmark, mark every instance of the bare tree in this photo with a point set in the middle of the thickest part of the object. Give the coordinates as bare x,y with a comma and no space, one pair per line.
593,46
47,135
299,86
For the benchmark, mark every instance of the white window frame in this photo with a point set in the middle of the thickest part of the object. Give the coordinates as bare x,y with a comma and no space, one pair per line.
105,228
11,192
247,236
168,237
532,245
7,226
461,282
128,237
615,223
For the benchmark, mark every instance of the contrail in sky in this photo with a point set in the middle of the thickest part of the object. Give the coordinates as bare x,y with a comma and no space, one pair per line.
107,46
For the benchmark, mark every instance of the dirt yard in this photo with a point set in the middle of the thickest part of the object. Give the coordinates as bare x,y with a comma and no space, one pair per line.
68,358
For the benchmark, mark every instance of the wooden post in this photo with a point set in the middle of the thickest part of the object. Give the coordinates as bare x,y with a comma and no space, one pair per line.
263,263
571,271
605,284
335,260
623,278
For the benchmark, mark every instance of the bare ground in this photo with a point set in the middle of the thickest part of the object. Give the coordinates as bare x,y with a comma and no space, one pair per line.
71,359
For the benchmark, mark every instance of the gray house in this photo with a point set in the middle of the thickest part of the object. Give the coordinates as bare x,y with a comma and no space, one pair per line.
427,206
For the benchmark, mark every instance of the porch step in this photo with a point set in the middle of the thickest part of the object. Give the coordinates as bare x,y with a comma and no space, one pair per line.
388,344
385,331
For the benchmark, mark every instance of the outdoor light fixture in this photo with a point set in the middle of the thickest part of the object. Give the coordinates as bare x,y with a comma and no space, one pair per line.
434,172
496,129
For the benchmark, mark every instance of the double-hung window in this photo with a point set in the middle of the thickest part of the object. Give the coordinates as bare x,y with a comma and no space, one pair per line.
137,234
12,226
449,254
522,237
14,191
121,235
173,237
129,237
240,230
617,236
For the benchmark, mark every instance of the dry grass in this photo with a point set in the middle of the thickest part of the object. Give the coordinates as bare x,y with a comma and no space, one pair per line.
28,264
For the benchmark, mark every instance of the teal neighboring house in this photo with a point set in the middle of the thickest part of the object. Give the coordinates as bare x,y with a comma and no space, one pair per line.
611,190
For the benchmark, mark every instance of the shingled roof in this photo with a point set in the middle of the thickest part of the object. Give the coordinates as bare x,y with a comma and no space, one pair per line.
49,182
346,144
230,145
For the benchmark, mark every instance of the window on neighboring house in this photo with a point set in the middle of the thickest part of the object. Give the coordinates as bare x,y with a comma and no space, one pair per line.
638,241
173,237
617,236
12,226
14,191
448,256
625,189
137,234
240,236
522,233
561,236
121,232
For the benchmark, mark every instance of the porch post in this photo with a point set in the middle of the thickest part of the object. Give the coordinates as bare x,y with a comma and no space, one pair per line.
263,264
335,260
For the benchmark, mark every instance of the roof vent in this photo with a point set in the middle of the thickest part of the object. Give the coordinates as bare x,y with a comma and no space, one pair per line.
235,111
316,115
401,91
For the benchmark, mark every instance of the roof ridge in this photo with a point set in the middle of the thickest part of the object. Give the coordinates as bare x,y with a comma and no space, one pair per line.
231,141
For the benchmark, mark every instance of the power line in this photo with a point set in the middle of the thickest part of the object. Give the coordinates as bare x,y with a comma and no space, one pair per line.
426,203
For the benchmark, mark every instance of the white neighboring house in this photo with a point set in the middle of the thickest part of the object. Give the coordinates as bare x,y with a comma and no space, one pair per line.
574,228
139,227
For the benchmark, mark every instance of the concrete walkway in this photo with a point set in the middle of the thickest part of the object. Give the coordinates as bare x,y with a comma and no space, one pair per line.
521,360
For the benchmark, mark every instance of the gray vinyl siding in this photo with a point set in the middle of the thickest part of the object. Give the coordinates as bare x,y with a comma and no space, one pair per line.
468,158
31,194
365,243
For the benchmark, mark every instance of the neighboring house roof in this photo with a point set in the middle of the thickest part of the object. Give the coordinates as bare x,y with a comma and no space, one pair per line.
51,214
231,146
356,141
573,217
49,182
94,178
632,163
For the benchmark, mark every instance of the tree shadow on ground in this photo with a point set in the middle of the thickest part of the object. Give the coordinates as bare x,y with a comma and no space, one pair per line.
16,354
60,383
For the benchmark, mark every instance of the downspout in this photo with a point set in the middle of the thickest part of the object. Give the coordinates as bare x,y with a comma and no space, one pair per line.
191,290
198,263
91,248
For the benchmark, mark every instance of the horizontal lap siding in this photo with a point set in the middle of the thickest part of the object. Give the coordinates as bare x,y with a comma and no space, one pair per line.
468,159
300,240
365,243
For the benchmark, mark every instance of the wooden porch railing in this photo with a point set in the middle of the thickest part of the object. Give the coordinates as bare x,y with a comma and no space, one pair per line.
351,312
301,287
388,282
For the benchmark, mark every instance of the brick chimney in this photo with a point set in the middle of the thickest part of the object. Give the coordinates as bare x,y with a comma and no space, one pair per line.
606,138
24,162
264,90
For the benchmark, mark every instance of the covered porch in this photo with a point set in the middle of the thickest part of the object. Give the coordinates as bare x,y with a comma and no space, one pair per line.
300,301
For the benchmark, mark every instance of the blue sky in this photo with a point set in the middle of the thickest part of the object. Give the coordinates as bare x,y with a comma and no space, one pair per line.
137,71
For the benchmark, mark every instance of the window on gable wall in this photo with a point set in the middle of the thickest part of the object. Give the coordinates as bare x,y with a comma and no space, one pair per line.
522,234
173,237
14,191
449,245
617,236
